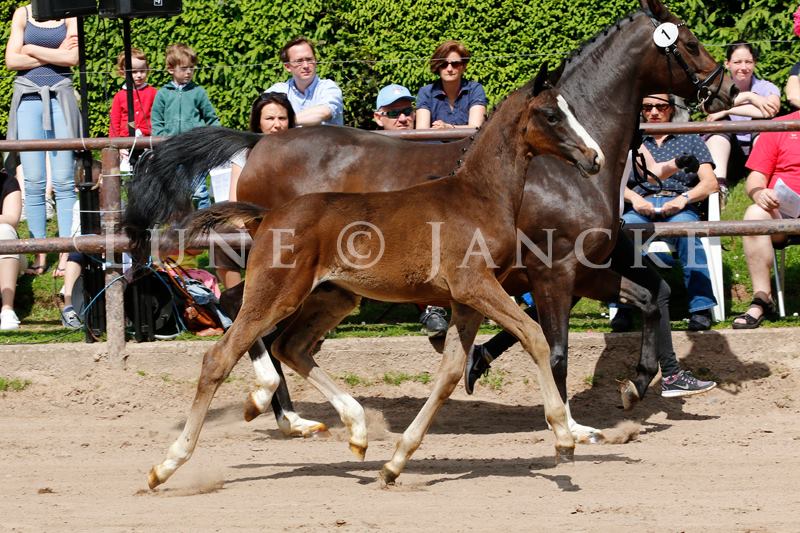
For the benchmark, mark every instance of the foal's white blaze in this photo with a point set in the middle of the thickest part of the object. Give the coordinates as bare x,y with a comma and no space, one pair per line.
580,130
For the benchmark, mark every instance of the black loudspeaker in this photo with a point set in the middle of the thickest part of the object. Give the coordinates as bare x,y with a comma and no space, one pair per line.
140,8
60,9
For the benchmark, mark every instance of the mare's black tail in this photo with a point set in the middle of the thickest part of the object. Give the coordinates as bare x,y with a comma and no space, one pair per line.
164,178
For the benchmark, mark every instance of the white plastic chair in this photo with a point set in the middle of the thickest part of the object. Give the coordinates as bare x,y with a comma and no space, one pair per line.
713,250
779,270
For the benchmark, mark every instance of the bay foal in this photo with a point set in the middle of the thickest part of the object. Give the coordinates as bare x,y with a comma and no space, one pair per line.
446,241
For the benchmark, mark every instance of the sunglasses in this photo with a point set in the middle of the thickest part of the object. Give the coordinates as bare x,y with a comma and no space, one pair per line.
395,113
660,107
457,63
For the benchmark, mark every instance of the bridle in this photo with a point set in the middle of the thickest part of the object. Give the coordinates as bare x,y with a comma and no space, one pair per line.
703,87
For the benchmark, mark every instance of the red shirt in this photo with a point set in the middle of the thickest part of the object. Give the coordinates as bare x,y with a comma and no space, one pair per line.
142,104
777,155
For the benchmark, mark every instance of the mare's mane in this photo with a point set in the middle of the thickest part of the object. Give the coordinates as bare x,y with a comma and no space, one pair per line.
600,35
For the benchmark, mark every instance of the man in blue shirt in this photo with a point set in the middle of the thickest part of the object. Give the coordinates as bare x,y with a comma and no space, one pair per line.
314,100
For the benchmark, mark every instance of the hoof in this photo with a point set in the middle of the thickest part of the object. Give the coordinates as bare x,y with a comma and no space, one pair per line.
358,451
307,429
152,479
251,410
630,397
565,455
387,477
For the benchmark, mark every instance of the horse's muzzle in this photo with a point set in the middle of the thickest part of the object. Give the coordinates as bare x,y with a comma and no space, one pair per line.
594,162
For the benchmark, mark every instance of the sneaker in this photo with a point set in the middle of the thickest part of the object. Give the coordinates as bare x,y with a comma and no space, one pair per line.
622,321
478,364
700,321
70,318
8,320
684,384
435,322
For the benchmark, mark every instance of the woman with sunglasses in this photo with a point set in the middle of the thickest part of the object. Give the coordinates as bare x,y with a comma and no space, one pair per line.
451,101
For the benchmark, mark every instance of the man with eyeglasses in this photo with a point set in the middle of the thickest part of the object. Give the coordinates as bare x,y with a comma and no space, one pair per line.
314,100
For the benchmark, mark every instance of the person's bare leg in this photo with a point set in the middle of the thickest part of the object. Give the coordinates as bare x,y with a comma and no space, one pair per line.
72,272
9,270
759,253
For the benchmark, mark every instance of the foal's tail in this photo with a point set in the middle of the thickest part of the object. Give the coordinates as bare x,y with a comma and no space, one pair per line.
222,214
164,178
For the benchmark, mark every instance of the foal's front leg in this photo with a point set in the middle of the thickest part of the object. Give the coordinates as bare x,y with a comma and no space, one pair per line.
461,332
492,301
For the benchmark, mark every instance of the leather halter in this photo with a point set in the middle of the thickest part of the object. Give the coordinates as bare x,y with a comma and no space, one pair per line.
703,87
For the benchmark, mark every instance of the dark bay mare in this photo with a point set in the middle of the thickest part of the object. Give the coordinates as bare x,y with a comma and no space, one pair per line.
605,82
298,247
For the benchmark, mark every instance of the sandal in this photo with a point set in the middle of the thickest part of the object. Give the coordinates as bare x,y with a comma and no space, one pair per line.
751,322
35,270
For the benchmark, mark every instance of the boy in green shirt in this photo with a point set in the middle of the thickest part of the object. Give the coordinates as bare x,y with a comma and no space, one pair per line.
182,105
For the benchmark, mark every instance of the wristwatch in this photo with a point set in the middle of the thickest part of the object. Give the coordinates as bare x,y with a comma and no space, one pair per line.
685,195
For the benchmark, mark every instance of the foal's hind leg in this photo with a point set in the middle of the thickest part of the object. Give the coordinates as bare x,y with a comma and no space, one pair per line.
217,364
295,348
460,335
251,323
491,300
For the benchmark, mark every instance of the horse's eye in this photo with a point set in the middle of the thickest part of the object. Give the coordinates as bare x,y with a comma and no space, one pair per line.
693,47
552,118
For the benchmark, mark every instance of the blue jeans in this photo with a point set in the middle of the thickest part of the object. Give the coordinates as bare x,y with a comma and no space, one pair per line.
62,168
200,196
696,277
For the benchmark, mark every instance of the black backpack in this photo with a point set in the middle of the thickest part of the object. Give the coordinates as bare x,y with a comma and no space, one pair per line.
150,308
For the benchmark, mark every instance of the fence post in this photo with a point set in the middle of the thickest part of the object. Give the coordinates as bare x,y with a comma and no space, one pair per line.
110,205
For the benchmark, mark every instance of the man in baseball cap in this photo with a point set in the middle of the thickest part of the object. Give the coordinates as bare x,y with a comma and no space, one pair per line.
394,108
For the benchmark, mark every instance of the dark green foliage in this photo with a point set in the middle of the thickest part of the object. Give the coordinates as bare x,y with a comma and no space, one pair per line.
364,44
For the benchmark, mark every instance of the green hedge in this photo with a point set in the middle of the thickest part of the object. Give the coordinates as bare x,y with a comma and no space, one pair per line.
365,44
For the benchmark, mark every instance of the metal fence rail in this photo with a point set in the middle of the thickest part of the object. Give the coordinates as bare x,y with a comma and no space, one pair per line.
112,243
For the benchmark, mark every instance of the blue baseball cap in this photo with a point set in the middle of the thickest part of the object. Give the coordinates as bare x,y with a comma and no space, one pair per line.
392,93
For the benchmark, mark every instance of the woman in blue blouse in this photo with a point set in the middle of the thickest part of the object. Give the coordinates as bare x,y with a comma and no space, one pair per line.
451,102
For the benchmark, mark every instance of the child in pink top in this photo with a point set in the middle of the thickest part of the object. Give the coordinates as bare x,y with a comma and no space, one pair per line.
143,96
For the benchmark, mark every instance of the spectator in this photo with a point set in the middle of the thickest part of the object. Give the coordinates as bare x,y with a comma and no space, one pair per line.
143,97
43,106
10,211
757,98
314,100
775,157
394,110
270,113
182,105
451,101
677,201
793,86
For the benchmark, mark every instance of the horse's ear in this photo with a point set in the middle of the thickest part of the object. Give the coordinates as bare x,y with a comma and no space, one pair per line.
540,82
656,8
554,76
